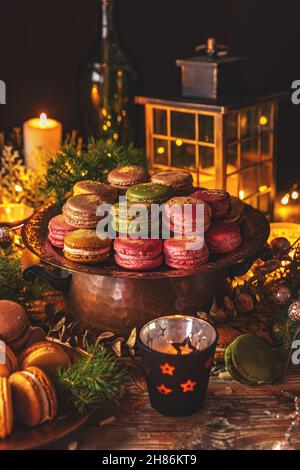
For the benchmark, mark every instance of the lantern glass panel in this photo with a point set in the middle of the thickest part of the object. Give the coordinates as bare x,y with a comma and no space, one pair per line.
160,121
249,181
183,125
232,184
160,151
206,129
207,159
183,156
207,181
266,139
266,176
231,127
249,152
264,203
249,122
231,158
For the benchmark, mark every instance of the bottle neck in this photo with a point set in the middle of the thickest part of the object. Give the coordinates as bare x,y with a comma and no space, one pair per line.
108,20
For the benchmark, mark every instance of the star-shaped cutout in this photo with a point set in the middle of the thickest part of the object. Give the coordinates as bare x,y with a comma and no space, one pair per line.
167,369
164,390
185,347
188,386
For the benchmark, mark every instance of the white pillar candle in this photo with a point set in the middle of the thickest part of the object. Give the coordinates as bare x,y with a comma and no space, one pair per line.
42,139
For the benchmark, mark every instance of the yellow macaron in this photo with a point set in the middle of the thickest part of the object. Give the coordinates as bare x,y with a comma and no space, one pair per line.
8,360
6,409
46,355
34,396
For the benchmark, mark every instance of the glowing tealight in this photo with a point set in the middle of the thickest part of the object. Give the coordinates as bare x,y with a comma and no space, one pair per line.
285,200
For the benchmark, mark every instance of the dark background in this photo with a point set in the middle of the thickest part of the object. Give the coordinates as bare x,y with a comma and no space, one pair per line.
42,43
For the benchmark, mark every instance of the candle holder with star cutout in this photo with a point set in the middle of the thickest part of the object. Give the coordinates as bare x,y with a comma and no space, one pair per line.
177,353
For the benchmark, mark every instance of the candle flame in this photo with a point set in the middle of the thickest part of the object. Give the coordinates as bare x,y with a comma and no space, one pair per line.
43,119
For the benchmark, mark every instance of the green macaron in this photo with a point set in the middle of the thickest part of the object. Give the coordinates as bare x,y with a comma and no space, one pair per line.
249,359
149,192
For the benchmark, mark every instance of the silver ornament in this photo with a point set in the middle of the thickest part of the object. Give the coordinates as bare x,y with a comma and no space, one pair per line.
281,295
294,311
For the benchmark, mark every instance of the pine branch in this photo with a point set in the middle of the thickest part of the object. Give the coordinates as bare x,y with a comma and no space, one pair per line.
94,162
92,380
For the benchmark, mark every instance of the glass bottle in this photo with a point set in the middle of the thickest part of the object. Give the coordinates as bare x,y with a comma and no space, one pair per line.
108,83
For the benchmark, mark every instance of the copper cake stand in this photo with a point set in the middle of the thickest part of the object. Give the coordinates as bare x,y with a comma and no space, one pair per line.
113,299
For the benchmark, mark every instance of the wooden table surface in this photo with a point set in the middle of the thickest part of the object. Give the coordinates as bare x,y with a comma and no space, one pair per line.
234,417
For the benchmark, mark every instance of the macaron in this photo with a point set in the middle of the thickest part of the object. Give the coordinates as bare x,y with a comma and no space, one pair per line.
84,246
6,408
58,229
81,211
34,396
46,355
138,254
8,360
132,218
185,253
249,359
124,177
218,200
105,191
149,192
182,212
14,325
181,182
223,237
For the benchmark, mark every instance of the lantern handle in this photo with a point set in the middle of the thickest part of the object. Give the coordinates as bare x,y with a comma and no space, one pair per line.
212,49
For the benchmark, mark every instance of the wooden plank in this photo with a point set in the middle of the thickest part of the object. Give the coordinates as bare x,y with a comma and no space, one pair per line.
234,417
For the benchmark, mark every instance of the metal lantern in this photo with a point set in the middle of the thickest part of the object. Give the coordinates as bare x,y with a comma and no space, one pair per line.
224,137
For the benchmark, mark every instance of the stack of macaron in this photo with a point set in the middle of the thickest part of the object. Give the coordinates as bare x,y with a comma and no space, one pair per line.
138,254
58,229
180,182
131,218
81,211
223,237
26,389
124,177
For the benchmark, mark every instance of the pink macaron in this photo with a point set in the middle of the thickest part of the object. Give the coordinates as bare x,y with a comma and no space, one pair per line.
223,237
58,229
182,214
218,200
185,253
138,255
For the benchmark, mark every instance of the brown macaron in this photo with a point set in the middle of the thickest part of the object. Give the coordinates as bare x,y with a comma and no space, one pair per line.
34,396
6,408
81,211
8,360
105,191
14,325
46,355
181,182
124,177
86,247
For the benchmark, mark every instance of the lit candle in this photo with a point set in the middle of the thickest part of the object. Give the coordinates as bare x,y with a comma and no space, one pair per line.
13,215
42,139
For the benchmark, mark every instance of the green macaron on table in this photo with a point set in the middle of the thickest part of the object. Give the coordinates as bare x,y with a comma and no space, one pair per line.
114,299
